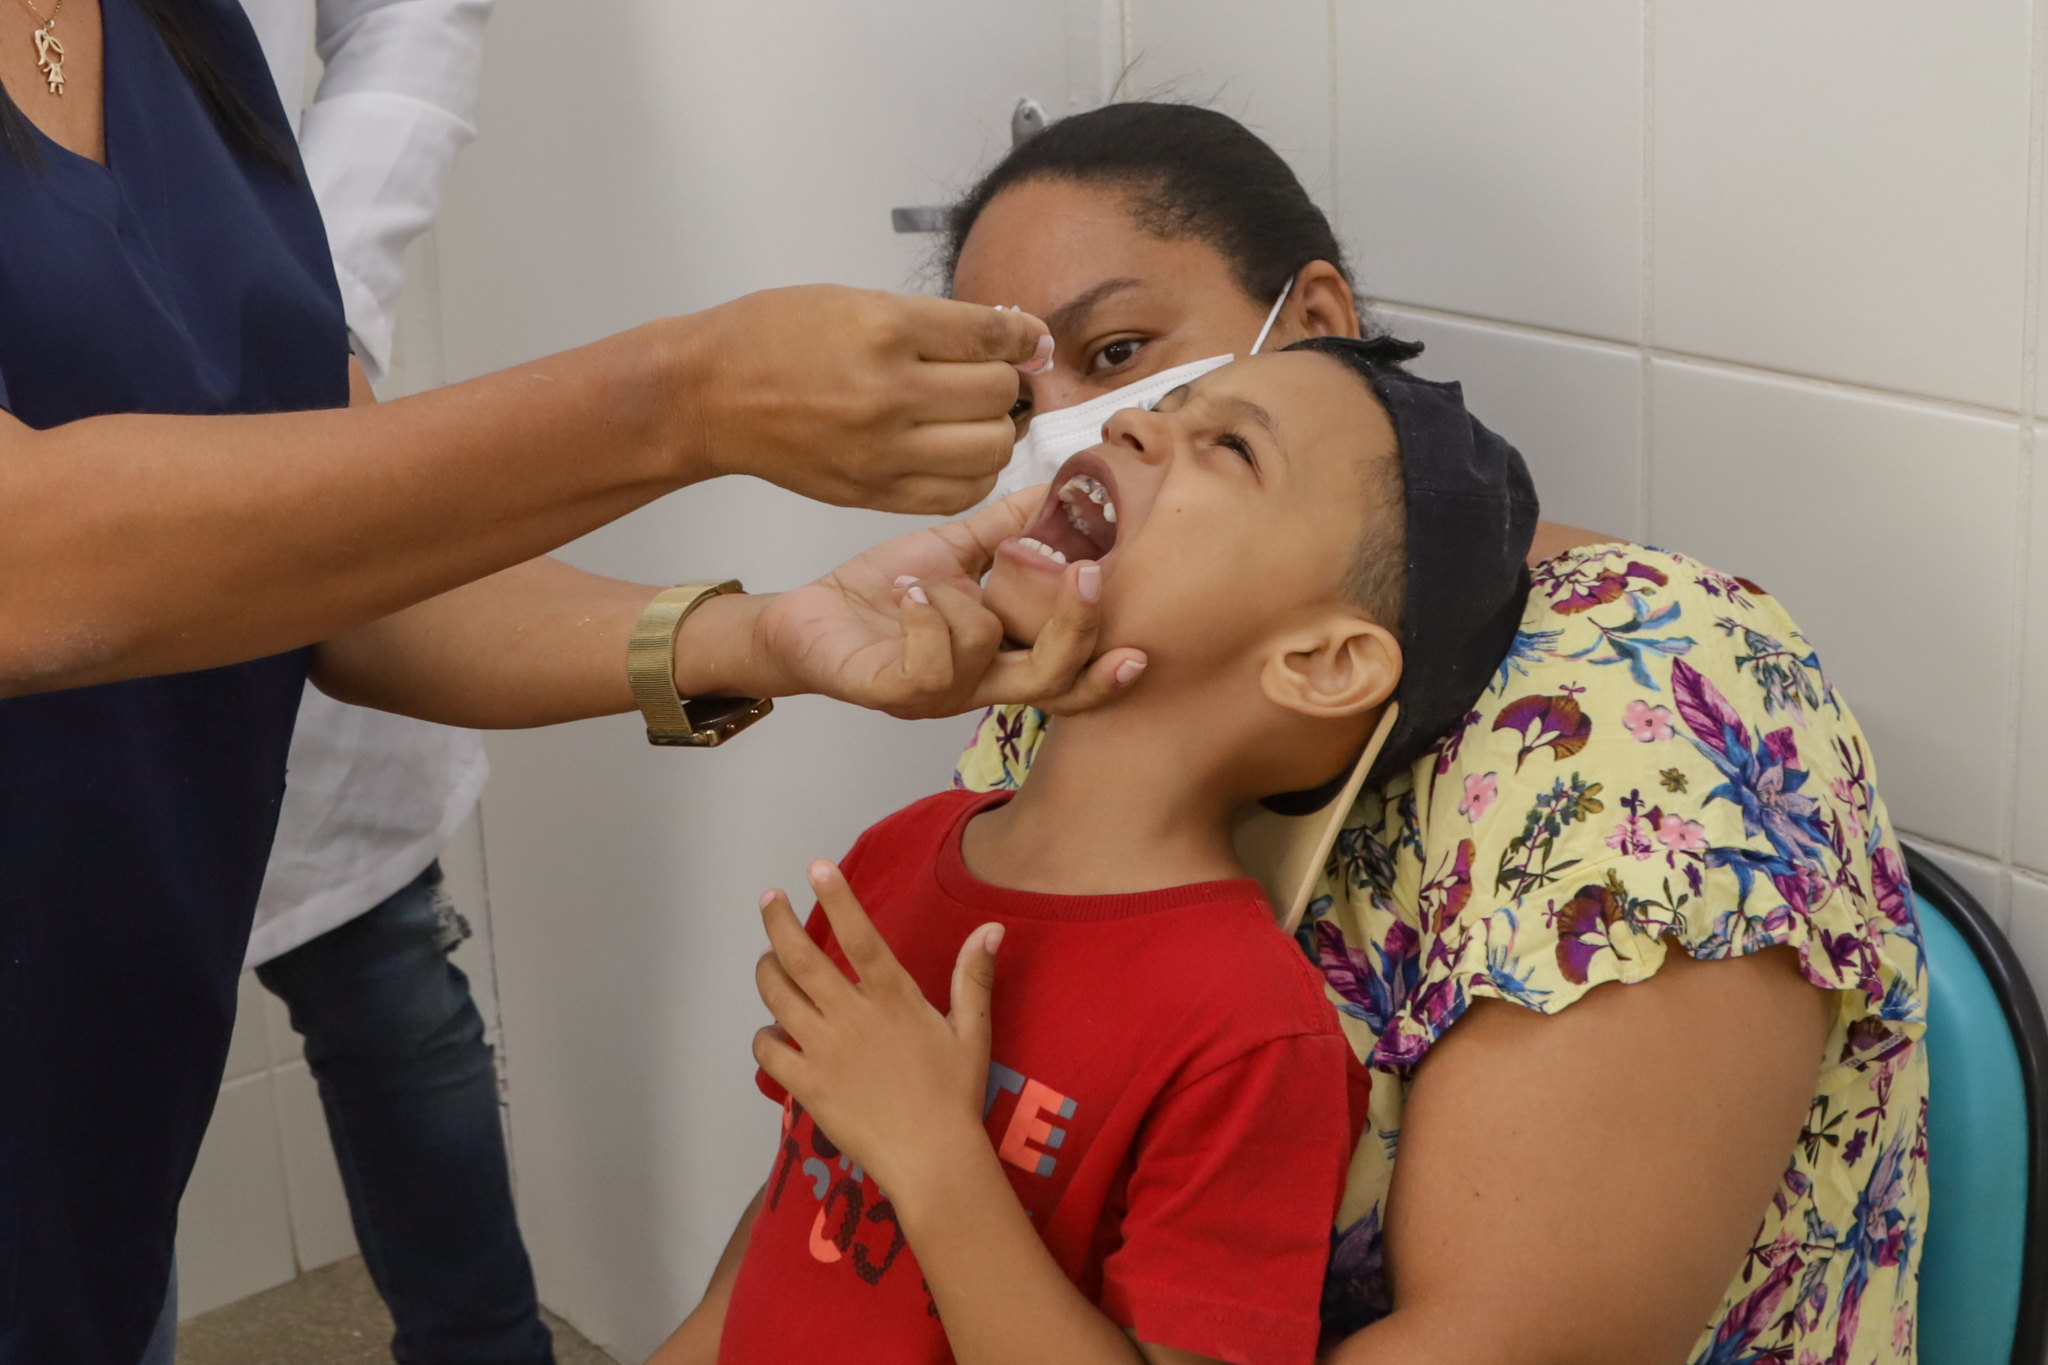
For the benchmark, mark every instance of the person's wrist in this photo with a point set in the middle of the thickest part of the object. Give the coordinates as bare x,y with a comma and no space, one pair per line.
719,651
682,355
951,1176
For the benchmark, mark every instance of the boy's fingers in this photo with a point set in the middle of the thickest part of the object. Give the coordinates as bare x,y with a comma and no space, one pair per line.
974,984
865,950
774,1055
816,974
785,999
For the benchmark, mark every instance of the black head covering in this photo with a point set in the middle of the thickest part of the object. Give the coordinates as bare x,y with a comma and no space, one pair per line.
1471,515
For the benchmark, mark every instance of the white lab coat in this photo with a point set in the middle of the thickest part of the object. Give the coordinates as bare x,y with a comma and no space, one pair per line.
372,798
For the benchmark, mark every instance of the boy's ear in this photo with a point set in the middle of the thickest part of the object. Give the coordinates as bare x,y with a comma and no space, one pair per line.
1328,307
1343,666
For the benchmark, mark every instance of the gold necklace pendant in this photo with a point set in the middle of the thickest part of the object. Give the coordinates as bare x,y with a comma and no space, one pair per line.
50,56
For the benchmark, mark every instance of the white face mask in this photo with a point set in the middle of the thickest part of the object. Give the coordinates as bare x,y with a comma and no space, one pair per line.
1053,438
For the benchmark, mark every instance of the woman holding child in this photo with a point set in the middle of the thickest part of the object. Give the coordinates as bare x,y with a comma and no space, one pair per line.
1660,762
1549,1171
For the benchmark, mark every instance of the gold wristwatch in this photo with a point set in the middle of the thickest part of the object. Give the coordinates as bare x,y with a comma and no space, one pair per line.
700,722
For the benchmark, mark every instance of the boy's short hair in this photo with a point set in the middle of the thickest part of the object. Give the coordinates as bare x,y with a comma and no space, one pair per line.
1468,515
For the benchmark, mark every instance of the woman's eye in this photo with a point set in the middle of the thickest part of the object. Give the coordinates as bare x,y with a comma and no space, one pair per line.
1020,409
1117,353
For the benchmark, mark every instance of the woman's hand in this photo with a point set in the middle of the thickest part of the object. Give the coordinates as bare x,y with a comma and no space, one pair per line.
853,397
898,1085
902,629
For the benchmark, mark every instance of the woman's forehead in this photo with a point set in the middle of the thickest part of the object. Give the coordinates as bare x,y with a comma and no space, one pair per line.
1044,243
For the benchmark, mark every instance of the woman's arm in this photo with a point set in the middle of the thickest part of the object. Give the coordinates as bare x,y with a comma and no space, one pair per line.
543,642
900,1087
132,545
1581,1188
695,1342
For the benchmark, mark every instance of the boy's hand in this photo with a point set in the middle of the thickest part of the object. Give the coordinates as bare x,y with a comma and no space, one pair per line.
897,1085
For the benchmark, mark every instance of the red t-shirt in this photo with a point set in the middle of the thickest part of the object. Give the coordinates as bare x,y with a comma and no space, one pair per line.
1168,1091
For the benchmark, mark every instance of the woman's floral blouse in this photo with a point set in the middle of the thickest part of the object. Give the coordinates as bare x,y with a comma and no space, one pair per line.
1660,760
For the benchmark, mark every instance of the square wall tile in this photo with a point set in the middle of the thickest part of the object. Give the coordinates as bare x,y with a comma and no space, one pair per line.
1573,410
248,1048
2029,931
1266,65
1982,878
1841,189
2030,827
321,1230
234,1234
1490,157
1886,530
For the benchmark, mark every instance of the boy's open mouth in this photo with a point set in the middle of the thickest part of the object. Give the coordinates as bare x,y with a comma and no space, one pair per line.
1078,520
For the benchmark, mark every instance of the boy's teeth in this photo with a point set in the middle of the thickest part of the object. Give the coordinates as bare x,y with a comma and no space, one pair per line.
1089,487
1030,543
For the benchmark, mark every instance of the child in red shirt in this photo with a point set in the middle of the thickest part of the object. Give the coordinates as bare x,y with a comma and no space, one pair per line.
1134,1150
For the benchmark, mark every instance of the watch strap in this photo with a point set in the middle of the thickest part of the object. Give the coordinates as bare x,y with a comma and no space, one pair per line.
696,722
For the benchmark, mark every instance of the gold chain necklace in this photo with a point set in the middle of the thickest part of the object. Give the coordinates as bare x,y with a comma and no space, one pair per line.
49,52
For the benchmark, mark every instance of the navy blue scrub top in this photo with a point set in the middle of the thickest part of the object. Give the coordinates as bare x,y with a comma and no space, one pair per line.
187,275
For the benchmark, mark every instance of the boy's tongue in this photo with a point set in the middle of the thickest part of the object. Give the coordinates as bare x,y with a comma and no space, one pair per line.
1078,520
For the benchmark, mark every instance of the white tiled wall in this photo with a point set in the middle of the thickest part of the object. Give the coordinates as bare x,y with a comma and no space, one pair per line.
1744,278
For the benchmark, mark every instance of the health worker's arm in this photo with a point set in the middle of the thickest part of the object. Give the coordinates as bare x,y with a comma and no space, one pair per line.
695,1342
1644,1128
133,545
900,1087
543,642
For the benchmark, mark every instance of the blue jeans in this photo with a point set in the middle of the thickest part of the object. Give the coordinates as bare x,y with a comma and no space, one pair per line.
397,1046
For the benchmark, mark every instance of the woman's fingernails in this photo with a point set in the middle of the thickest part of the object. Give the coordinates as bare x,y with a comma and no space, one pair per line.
992,940
917,595
821,872
905,580
1089,582
1041,359
1127,672
767,899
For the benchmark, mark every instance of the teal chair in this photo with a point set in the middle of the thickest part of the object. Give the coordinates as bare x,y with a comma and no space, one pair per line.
1984,1266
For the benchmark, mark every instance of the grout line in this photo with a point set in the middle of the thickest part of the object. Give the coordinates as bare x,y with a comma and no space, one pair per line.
1989,861
2024,492
1124,35
1846,388
2001,902
1646,283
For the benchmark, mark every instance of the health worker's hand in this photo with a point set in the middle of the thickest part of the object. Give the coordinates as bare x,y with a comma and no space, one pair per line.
854,397
898,1085
902,629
